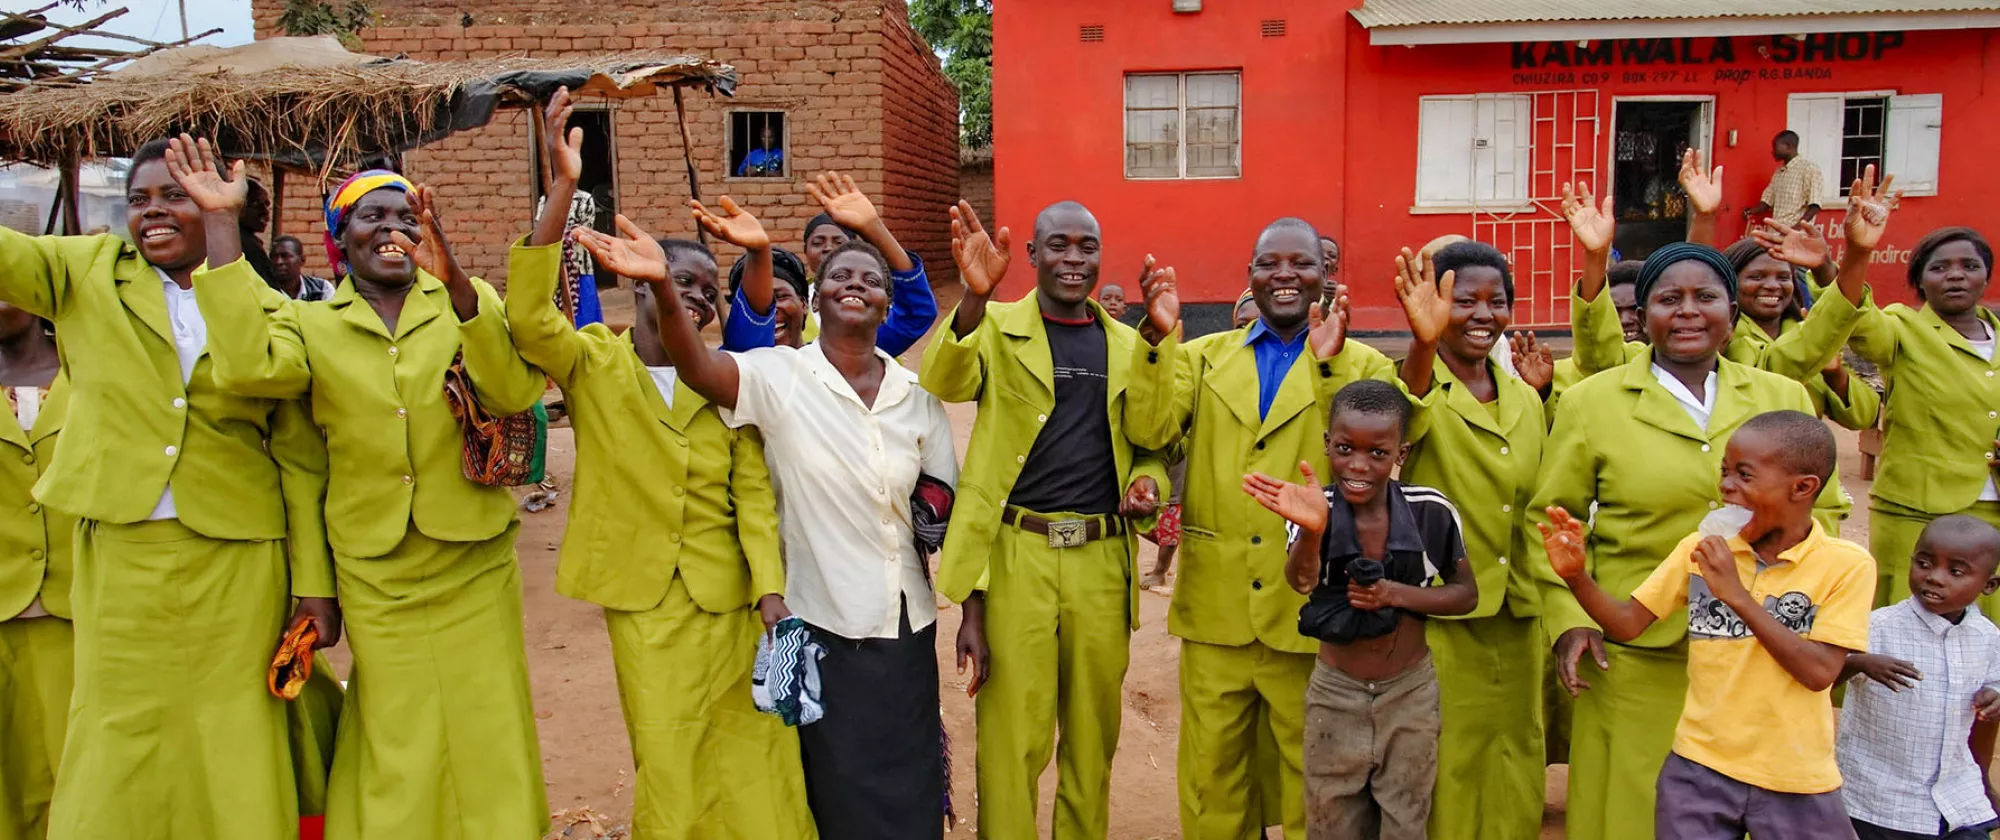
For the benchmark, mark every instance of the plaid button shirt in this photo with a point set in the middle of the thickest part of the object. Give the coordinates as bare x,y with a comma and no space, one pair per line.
1904,754
1794,187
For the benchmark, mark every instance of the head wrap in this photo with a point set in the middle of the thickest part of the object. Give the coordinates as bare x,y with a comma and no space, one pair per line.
824,219
785,266
343,198
1678,252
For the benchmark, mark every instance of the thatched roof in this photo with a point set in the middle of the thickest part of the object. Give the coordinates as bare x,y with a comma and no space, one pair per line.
309,102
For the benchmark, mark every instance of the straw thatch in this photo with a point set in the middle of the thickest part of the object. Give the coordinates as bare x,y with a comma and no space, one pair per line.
308,102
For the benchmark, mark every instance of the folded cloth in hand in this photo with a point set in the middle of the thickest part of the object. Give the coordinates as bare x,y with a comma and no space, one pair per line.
930,512
1329,617
785,679
293,663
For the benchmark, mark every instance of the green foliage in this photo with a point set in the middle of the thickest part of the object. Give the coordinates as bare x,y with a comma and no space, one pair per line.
320,17
962,30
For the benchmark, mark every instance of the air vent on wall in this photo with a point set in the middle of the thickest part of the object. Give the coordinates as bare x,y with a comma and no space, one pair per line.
1273,28
1091,33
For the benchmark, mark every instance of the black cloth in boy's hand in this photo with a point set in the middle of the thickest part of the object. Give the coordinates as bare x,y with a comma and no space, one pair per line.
1335,619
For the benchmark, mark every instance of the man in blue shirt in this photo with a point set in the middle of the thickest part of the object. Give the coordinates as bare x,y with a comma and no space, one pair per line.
765,161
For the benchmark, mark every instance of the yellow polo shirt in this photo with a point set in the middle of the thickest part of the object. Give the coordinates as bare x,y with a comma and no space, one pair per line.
1746,716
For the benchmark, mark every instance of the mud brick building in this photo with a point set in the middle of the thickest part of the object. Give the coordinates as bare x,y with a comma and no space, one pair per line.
837,84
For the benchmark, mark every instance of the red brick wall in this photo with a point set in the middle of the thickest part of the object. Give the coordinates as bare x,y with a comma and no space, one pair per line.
975,183
823,63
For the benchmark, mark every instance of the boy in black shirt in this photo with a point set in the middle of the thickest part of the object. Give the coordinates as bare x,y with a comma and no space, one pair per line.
1376,556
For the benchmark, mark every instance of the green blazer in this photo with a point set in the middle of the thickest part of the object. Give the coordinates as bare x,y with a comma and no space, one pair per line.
1005,366
1231,589
1944,408
1798,353
1859,410
659,491
1483,457
1621,441
132,426
395,453
34,540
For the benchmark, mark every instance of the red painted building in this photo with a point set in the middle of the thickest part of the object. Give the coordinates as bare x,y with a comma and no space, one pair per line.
1188,124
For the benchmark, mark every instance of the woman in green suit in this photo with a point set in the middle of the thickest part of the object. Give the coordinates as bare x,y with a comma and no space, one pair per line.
1477,437
36,641
1643,441
674,532
437,738
1938,447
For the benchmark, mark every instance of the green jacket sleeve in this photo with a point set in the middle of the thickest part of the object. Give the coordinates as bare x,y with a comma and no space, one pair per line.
1877,336
300,452
1600,339
1568,481
256,349
954,368
1153,419
1803,352
540,333
756,514
34,270
1859,411
503,381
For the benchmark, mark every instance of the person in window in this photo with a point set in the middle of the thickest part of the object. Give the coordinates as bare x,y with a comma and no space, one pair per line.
1794,194
765,161
288,262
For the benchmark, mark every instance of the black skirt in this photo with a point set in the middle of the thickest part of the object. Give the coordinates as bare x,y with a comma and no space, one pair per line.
874,764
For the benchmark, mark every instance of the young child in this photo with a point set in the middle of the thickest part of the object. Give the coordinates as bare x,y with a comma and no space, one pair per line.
1933,664
1370,551
1772,613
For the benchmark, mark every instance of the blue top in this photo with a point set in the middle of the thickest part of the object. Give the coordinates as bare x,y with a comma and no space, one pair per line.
762,162
1274,360
912,311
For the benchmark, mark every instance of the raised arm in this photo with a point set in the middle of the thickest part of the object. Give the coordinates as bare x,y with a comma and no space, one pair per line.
635,254
1304,506
1151,417
1562,538
1427,306
538,330
982,262
1594,227
912,305
1704,192
35,270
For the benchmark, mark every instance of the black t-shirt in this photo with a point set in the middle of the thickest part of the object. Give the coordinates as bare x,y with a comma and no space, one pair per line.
1424,543
1071,467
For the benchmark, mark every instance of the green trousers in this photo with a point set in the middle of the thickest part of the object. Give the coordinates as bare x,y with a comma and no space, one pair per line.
1620,736
173,732
1491,772
36,661
1893,531
1234,699
710,765
1059,626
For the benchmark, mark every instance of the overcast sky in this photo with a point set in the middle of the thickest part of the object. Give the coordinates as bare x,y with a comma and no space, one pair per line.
159,20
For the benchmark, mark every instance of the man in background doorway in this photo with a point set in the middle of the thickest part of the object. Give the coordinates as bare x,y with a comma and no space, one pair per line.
1794,194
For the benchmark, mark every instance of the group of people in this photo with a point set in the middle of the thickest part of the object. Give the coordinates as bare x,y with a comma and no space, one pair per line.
1378,563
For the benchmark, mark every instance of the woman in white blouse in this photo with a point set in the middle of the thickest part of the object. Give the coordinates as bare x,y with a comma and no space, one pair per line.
847,431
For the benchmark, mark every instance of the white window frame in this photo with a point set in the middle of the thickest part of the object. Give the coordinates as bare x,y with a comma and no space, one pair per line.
1181,144
1896,145
1523,159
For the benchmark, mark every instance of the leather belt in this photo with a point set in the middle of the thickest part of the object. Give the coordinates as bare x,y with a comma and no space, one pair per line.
1064,533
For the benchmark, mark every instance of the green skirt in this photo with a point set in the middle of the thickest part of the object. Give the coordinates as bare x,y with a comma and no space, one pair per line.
173,734
1491,775
1893,531
437,735
36,661
1620,736
311,721
710,765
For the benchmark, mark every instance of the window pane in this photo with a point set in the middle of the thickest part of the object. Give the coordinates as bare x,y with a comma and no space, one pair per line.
1209,90
1152,91
1152,141
1212,160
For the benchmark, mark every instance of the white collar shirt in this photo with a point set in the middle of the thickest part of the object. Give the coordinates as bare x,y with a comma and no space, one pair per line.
1904,758
190,341
1697,410
843,472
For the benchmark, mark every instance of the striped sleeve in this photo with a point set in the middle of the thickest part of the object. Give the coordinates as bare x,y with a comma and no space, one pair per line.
1440,528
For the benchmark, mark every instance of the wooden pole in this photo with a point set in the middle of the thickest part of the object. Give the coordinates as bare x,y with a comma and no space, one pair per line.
687,154
67,186
278,202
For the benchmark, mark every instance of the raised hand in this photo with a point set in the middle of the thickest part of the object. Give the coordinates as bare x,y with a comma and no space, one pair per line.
1533,360
1592,223
733,225
432,252
1703,186
1163,300
982,259
1327,331
1562,535
195,165
1142,499
842,200
1801,244
1868,208
1303,505
563,149
634,253
1427,305
1894,674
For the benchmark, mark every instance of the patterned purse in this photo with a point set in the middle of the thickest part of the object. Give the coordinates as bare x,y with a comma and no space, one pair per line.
498,451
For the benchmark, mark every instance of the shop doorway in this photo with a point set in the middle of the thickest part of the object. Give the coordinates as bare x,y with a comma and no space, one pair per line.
1649,136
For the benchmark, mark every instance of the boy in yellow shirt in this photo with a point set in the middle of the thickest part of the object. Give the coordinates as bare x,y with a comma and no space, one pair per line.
1772,613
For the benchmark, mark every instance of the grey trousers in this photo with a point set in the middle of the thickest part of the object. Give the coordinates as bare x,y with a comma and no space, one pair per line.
1370,754
1697,803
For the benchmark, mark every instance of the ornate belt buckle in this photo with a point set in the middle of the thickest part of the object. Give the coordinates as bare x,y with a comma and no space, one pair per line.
1069,533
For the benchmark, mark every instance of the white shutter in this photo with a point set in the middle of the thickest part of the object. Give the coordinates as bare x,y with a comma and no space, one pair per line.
1445,128
1500,153
1817,118
1916,124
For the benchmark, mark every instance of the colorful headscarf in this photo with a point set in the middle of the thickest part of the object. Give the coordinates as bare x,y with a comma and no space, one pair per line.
344,198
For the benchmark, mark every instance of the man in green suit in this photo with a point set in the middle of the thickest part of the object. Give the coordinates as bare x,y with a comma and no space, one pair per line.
1040,550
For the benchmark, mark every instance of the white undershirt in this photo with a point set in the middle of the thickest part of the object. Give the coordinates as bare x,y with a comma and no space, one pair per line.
664,379
190,338
27,406
1698,410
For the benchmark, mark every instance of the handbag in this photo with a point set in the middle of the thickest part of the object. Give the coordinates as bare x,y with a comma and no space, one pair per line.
499,451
